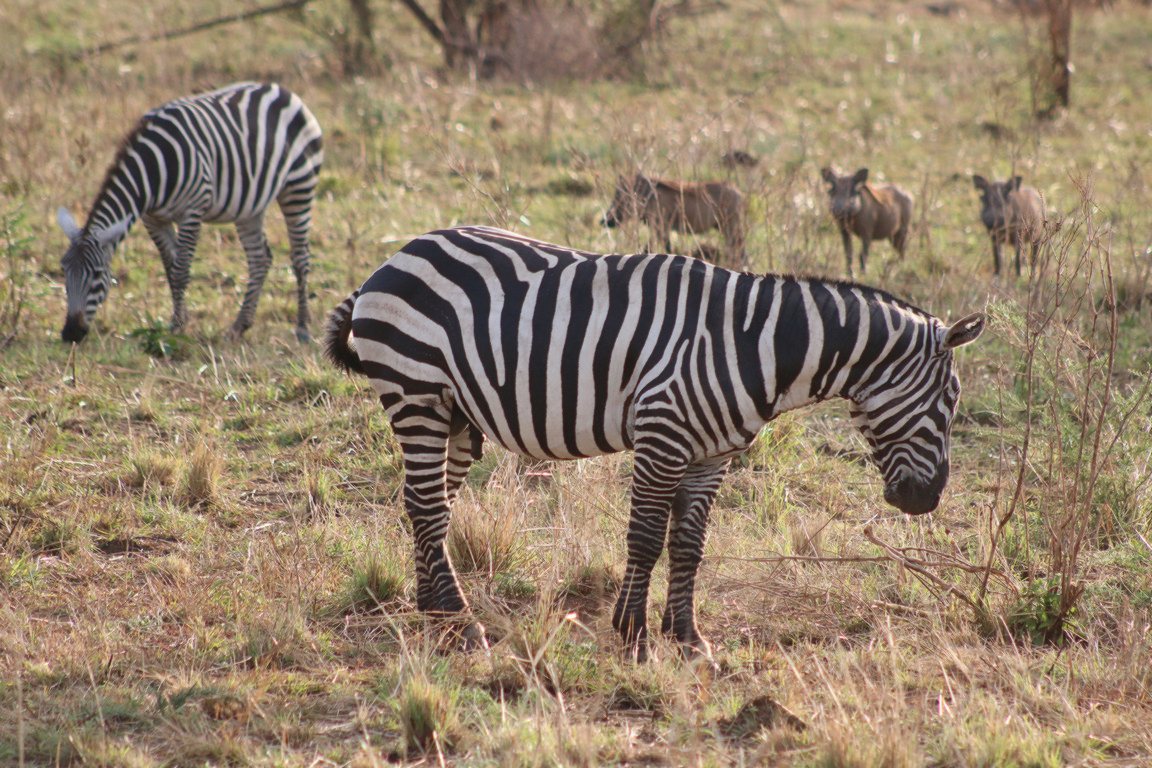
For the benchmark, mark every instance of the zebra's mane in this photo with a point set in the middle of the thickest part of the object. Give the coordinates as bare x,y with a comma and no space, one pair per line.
121,153
837,283
879,293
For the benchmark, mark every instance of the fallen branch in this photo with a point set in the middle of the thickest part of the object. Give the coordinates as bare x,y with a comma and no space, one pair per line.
919,568
244,16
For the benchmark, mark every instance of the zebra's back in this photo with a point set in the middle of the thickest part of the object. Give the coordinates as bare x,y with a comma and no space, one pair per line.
548,350
241,147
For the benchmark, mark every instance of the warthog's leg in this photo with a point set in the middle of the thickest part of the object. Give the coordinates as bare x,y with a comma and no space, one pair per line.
865,243
846,236
995,255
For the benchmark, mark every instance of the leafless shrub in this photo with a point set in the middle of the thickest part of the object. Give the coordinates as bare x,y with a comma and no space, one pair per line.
548,42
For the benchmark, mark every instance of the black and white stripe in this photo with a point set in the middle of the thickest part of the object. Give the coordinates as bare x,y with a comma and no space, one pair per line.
556,354
215,157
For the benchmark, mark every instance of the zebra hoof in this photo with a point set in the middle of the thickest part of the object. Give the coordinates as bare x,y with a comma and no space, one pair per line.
458,633
472,637
698,656
302,335
639,653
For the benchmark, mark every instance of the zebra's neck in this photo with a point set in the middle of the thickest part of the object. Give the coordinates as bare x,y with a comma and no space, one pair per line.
823,339
127,190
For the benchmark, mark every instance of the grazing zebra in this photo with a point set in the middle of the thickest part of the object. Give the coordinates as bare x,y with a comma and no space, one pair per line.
558,354
216,157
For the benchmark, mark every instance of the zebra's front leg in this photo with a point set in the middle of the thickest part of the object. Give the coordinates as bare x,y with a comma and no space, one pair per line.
163,234
686,535
655,478
425,441
259,256
179,271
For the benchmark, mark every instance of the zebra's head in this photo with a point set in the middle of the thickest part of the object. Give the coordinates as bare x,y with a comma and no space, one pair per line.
86,270
906,417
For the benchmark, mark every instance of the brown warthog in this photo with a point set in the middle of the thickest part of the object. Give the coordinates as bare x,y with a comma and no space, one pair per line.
1012,213
668,205
870,211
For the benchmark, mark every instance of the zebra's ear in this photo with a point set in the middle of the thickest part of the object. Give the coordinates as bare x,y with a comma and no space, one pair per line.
67,223
964,331
113,233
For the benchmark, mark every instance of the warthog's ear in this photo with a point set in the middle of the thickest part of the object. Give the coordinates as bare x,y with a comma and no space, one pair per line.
860,177
963,331
827,175
1013,184
979,182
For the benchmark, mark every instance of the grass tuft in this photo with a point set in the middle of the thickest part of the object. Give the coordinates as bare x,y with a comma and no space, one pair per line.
373,583
202,477
428,715
150,469
479,542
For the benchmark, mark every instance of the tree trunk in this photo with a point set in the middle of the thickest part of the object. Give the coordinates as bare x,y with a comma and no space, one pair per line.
1060,38
361,50
459,43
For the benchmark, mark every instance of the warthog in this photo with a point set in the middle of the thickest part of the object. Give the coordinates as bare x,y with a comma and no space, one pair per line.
870,211
668,205
1012,213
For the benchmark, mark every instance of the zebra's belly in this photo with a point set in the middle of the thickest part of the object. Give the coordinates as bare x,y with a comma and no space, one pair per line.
553,430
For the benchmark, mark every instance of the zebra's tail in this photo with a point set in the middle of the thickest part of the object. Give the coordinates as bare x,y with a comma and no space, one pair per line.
336,347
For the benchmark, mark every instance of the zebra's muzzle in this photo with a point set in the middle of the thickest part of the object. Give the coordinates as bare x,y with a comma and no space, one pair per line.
75,328
912,497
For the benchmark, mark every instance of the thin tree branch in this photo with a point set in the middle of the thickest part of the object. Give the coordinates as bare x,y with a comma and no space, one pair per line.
426,21
244,16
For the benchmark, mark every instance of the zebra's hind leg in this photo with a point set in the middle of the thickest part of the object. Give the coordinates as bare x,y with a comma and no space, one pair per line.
655,477
298,217
426,442
465,445
686,535
259,255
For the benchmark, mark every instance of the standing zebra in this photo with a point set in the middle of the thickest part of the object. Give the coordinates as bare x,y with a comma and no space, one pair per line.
558,354
216,157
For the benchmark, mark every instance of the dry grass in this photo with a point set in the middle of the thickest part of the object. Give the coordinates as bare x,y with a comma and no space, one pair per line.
204,561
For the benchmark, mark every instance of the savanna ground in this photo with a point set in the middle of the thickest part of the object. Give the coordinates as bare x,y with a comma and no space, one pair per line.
203,558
